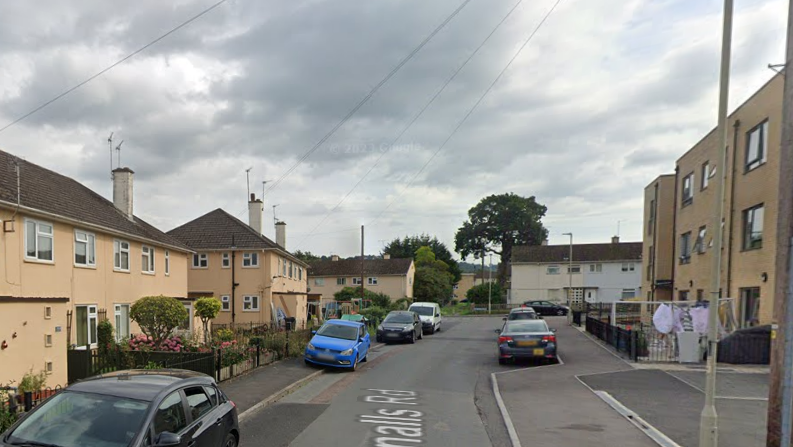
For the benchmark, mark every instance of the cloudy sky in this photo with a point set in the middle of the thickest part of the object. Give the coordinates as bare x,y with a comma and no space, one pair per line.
607,96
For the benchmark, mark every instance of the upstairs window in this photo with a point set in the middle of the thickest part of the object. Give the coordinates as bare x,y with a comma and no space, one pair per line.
341,281
552,270
756,146
372,280
167,263
356,281
146,259
628,267
200,261
121,255
84,249
226,263
38,240
753,228
595,268
699,245
705,174
685,248
688,189
250,259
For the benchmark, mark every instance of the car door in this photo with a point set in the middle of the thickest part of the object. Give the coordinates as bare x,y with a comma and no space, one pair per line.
366,340
417,325
171,417
203,419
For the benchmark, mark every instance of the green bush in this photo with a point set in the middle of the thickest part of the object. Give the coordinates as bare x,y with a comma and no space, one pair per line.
32,381
207,308
104,333
478,294
158,316
375,313
224,335
401,304
276,343
7,418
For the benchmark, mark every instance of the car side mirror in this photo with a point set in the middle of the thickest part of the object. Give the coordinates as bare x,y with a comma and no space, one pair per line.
313,332
437,315
553,330
168,439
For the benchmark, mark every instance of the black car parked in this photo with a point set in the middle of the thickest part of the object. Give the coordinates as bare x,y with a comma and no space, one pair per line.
137,408
547,308
400,325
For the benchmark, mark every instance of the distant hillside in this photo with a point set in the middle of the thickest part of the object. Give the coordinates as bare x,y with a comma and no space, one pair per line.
471,267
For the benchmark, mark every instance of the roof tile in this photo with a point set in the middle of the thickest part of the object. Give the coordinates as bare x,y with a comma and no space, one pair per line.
621,251
352,267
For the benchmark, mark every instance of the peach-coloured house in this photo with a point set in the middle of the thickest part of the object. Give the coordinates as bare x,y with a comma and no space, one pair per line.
393,277
251,275
69,257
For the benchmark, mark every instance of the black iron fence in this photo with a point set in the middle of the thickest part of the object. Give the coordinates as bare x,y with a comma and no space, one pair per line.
622,340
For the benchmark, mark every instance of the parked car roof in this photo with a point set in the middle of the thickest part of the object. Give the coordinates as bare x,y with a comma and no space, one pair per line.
523,309
344,322
140,384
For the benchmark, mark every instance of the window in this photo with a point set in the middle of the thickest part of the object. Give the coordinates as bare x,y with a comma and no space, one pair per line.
225,303
283,272
372,280
628,293
595,268
753,228
750,307
250,303
705,174
651,220
121,255
685,248
226,261
574,269
321,281
187,323
683,295
341,281
756,146
291,269
84,249
688,190
356,281
170,415
38,240
300,273
213,394
47,312
250,260
278,272
700,294
197,402
146,259
121,314
47,340
552,270
200,261
699,244
628,267
85,317
167,263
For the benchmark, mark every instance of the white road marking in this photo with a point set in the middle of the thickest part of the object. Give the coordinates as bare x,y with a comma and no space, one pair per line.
646,428
404,423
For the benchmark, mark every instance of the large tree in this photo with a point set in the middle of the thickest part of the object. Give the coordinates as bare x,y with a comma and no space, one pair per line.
306,256
409,245
433,280
498,223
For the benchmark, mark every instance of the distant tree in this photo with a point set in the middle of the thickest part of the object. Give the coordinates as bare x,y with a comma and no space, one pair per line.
498,223
432,284
478,294
207,308
306,256
409,245
158,316
350,293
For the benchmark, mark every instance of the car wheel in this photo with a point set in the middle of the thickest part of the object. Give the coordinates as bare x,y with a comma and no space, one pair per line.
355,363
412,337
421,334
560,312
439,327
307,362
432,330
231,441
365,358
502,361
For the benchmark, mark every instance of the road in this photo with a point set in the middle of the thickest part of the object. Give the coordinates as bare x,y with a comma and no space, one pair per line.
436,392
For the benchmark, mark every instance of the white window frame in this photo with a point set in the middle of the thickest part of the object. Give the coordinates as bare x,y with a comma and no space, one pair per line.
319,282
167,263
225,303
628,267
90,316
596,268
300,273
248,259
90,248
553,270
189,308
573,269
118,250
631,292
283,273
761,151
705,173
341,281
118,315
225,260
687,190
372,280
291,269
39,234
248,301
147,260
699,244
750,218
356,280
200,258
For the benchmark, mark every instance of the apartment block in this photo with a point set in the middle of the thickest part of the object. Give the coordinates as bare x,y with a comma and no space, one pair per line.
659,239
750,202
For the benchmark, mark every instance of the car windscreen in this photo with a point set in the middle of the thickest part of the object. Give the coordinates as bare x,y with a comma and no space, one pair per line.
339,331
398,319
522,316
82,419
422,310
526,326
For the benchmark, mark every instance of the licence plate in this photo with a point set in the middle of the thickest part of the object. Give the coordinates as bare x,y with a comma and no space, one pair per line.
391,334
326,357
539,351
527,343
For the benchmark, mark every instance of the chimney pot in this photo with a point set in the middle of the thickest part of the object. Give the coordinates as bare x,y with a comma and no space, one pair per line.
122,190
615,240
334,257
386,256
280,234
545,242
253,197
255,214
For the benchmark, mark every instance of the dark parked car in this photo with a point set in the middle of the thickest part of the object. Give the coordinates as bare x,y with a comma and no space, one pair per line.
400,325
547,308
526,339
134,408
521,313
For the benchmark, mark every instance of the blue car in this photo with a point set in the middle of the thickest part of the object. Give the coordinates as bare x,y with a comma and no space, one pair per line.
339,343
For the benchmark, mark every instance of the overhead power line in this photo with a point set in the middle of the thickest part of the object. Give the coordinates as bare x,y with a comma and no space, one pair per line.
117,63
369,95
471,111
412,121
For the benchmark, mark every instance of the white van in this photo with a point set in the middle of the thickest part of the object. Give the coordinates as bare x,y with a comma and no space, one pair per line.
430,314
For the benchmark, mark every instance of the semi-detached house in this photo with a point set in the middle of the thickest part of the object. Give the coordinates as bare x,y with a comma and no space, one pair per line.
68,258
393,277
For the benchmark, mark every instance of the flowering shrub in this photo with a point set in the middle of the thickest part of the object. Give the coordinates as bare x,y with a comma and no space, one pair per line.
142,342
224,335
232,353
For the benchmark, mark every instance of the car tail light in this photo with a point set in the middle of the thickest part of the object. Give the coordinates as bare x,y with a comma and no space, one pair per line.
233,404
549,338
504,340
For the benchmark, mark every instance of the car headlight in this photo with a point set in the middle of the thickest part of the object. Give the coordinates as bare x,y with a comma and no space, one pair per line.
407,328
380,328
347,352
310,346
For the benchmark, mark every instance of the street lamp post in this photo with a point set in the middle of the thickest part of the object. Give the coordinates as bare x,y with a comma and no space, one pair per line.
569,277
489,284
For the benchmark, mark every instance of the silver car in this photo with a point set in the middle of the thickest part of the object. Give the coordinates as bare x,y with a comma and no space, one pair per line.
526,339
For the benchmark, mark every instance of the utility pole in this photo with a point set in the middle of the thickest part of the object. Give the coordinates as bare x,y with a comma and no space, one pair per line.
489,285
708,423
569,278
780,397
362,286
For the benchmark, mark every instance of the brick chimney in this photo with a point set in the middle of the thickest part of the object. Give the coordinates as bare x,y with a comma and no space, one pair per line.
122,190
615,240
386,256
255,213
334,257
280,234
545,242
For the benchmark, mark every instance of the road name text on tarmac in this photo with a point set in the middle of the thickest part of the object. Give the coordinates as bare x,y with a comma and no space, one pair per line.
398,427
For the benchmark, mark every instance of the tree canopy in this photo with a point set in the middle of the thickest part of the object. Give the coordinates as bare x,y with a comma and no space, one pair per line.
306,256
478,294
498,223
408,246
158,316
350,293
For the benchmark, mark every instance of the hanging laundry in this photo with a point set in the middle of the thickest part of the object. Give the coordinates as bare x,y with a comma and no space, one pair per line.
677,314
699,317
663,319
685,320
